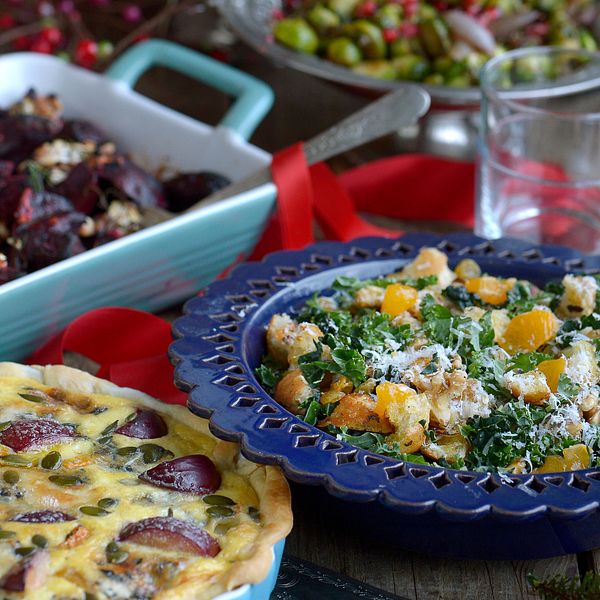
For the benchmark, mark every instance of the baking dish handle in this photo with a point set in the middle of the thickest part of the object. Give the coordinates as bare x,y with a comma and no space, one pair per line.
253,97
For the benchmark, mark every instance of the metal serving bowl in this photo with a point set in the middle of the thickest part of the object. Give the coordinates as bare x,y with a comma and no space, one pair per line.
431,509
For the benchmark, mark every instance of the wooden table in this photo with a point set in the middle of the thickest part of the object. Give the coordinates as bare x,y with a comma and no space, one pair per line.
304,107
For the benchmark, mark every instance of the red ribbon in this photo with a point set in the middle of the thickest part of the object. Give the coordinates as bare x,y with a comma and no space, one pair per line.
131,346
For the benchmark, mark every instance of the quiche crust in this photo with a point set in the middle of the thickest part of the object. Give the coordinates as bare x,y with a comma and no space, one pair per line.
268,482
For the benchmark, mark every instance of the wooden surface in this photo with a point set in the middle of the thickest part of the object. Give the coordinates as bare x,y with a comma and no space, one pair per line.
304,107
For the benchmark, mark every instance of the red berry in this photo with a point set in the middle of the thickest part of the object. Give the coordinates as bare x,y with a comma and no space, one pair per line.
41,45
391,35
408,30
53,35
366,9
23,42
86,53
132,13
277,14
6,21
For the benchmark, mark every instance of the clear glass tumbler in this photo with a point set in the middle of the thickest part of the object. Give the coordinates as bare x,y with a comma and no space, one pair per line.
539,155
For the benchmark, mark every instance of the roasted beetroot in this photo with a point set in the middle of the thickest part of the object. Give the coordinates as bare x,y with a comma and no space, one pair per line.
49,240
34,434
145,425
28,574
186,189
168,533
82,131
43,516
81,188
20,135
122,174
194,474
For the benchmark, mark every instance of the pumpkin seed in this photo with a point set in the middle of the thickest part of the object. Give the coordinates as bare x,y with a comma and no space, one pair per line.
5,425
99,410
106,439
117,557
254,513
66,480
11,477
32,397
39,540
217,500
130,481
220,512
153,453
128,451
25,550
108,503
93,511
130,417
52,461
5,534
15,459
112,547
90,596
110,428
223,528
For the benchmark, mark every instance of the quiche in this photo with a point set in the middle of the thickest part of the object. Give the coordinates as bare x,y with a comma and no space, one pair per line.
454,367
106,493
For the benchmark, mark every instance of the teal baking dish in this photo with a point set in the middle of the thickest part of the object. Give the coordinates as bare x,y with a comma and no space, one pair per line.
165,264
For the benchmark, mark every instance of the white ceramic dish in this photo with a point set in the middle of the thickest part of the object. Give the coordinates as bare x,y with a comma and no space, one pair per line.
165,264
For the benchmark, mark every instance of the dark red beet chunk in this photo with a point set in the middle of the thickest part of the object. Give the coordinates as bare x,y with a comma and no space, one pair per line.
82,131
43,516
28,574
168,533
194,474
188,188
34,434
146,425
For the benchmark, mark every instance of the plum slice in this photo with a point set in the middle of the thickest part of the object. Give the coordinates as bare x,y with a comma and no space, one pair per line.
28,574
168,533
34,434
194,474
43,516
145,425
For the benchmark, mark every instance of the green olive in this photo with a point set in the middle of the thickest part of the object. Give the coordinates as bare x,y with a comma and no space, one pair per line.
381,69
411,67
344,51
368,37
389,16
297,34
434,36
322,18
343,8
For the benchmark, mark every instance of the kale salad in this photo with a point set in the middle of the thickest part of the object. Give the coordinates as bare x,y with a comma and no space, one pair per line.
456,368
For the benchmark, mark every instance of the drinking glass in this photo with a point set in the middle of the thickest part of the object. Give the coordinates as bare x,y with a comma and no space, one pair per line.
539,155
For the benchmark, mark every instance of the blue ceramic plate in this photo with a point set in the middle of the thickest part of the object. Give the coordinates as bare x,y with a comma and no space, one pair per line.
222,342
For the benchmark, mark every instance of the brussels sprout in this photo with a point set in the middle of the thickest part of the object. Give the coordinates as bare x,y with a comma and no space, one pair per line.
532,68
389,16
368,37
322,19
434,79
297,34
434,36
411,67
344,51
381,69
459,81
344,8
403,46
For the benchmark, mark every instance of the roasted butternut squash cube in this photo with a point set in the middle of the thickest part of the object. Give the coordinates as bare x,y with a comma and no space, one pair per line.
398,299
528,331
